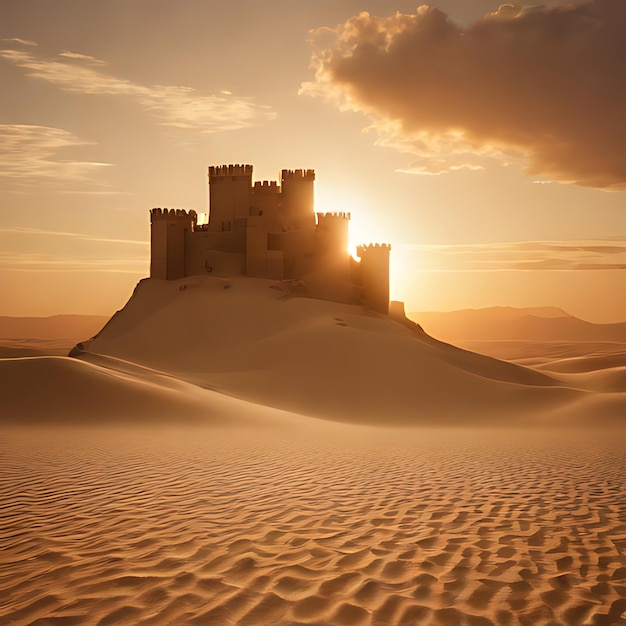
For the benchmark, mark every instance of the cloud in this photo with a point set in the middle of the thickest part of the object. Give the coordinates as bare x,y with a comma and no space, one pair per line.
24,42
609,254
176,106
81,57
545,85
39,262
19,230
34,249
28,154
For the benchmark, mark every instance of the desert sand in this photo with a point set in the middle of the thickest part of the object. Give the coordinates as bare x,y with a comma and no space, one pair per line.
225,453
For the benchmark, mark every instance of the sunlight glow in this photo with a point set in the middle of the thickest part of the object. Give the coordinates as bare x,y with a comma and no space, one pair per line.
363,225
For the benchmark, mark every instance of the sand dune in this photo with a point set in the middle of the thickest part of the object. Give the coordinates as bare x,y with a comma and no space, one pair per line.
339,525
241,337
139,486
61,390
532,353
589,363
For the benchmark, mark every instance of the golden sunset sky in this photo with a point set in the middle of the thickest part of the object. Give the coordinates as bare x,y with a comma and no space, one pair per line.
486,144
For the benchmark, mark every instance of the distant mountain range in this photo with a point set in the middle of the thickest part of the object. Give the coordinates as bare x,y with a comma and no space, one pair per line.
506,323
74,327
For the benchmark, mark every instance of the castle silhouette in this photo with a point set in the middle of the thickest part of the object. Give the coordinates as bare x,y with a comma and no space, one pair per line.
267,230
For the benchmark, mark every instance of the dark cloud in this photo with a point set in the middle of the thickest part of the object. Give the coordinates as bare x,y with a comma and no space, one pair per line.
546,83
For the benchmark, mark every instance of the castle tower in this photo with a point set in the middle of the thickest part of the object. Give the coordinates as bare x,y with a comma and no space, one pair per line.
230,191
168,233
266,198
297,191
332,232
374,275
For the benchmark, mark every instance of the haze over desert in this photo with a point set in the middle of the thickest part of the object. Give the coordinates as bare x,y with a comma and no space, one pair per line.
312,314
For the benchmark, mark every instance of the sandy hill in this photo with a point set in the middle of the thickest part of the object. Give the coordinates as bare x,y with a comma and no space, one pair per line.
248,339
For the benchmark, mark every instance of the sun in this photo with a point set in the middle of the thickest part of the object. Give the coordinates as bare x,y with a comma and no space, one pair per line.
363,227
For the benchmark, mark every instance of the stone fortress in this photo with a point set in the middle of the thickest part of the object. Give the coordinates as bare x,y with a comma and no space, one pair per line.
269,230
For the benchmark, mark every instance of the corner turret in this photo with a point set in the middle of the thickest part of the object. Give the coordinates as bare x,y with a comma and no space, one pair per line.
168,234
374,275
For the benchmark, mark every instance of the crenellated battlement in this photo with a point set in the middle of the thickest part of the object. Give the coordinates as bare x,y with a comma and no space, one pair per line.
372,248
230,170
163,214
266,186
333,215
307,175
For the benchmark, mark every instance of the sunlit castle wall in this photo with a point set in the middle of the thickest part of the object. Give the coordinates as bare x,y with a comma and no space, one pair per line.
374,275
329,276
216,253
298,199
266,200
169,229
333,232
230,192
261,262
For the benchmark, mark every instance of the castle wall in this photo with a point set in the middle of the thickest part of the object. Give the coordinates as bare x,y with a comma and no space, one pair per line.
256,246
275,265
158,250
297,209
220,253
332,232
266,201
168,230
298,248
230,193
373,276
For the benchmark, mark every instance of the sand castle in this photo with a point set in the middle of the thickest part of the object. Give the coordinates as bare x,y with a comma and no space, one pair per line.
269,230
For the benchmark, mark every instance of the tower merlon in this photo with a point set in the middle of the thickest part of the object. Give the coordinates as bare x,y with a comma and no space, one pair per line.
266,186
308,175
163,214
337,215
372,248
230,170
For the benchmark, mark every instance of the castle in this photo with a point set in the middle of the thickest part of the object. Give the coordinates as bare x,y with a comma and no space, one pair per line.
269,230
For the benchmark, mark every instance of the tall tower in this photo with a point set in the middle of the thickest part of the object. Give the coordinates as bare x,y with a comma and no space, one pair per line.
266,199
374,275
230,192
168,232
297,192
332,233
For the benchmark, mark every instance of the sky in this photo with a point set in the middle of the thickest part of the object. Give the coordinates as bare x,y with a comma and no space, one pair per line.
484,142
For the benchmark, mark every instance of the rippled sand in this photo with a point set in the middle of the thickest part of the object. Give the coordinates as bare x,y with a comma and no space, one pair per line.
326,525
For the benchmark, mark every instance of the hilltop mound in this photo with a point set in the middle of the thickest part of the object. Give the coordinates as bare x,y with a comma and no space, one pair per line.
246,339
